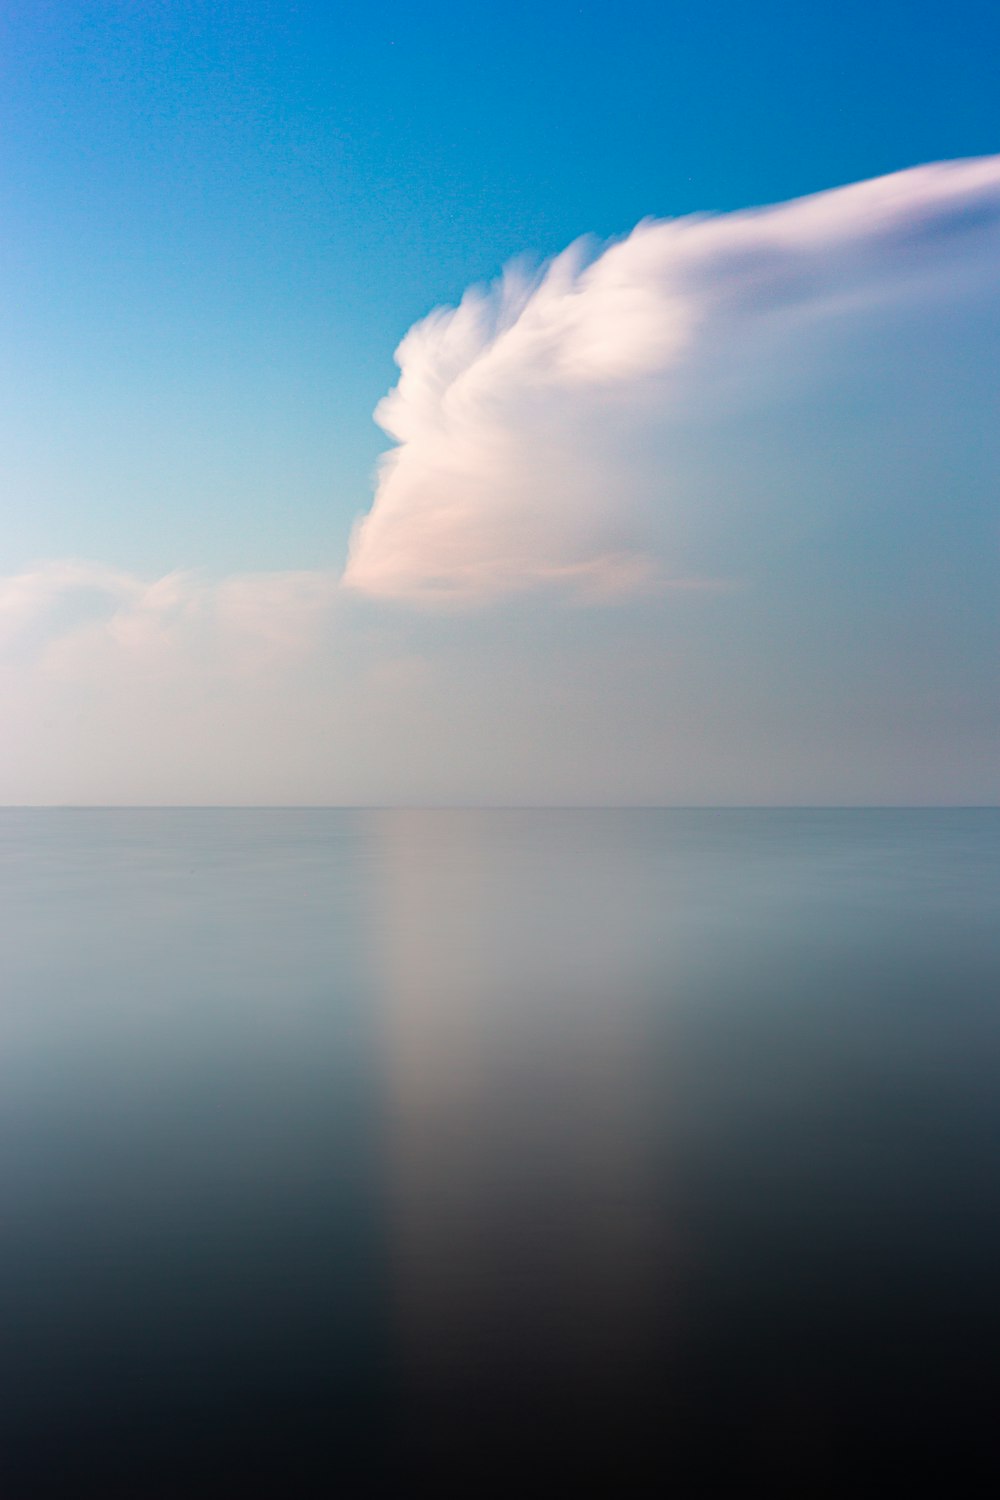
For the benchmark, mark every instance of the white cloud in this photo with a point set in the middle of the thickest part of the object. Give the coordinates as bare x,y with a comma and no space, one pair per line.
802,399
533,422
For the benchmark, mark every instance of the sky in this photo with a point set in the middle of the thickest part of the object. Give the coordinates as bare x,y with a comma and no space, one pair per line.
499,404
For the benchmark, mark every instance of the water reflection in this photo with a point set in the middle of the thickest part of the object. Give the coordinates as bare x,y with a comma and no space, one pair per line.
526,1173
406,1153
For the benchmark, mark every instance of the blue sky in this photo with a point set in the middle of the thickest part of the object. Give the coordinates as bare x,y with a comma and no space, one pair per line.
220,220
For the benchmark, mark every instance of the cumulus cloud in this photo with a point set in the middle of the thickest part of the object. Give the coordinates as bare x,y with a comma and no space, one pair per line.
535,423
801,399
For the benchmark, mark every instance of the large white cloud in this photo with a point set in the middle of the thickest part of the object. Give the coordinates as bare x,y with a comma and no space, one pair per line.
801,400
534,421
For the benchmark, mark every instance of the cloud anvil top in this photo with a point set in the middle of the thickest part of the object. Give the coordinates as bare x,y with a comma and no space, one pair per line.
518,413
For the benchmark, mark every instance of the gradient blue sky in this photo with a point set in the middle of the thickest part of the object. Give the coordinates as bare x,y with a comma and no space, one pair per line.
220,219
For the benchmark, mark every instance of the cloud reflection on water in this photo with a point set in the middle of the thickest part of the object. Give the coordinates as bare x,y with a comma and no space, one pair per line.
524,1159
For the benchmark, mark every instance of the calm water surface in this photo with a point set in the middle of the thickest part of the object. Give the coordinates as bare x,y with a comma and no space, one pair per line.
498,1152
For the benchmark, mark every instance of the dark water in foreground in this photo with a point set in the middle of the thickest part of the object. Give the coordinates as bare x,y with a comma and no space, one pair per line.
401,1152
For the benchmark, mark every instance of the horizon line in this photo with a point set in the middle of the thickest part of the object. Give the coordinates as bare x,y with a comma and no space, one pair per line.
500,807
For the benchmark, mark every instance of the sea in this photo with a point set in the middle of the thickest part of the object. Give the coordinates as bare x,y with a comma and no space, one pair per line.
499,1152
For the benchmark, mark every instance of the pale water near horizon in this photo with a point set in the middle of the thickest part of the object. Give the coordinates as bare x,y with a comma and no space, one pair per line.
466,1152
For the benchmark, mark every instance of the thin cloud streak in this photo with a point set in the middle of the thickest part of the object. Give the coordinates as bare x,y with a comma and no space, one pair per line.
64,616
